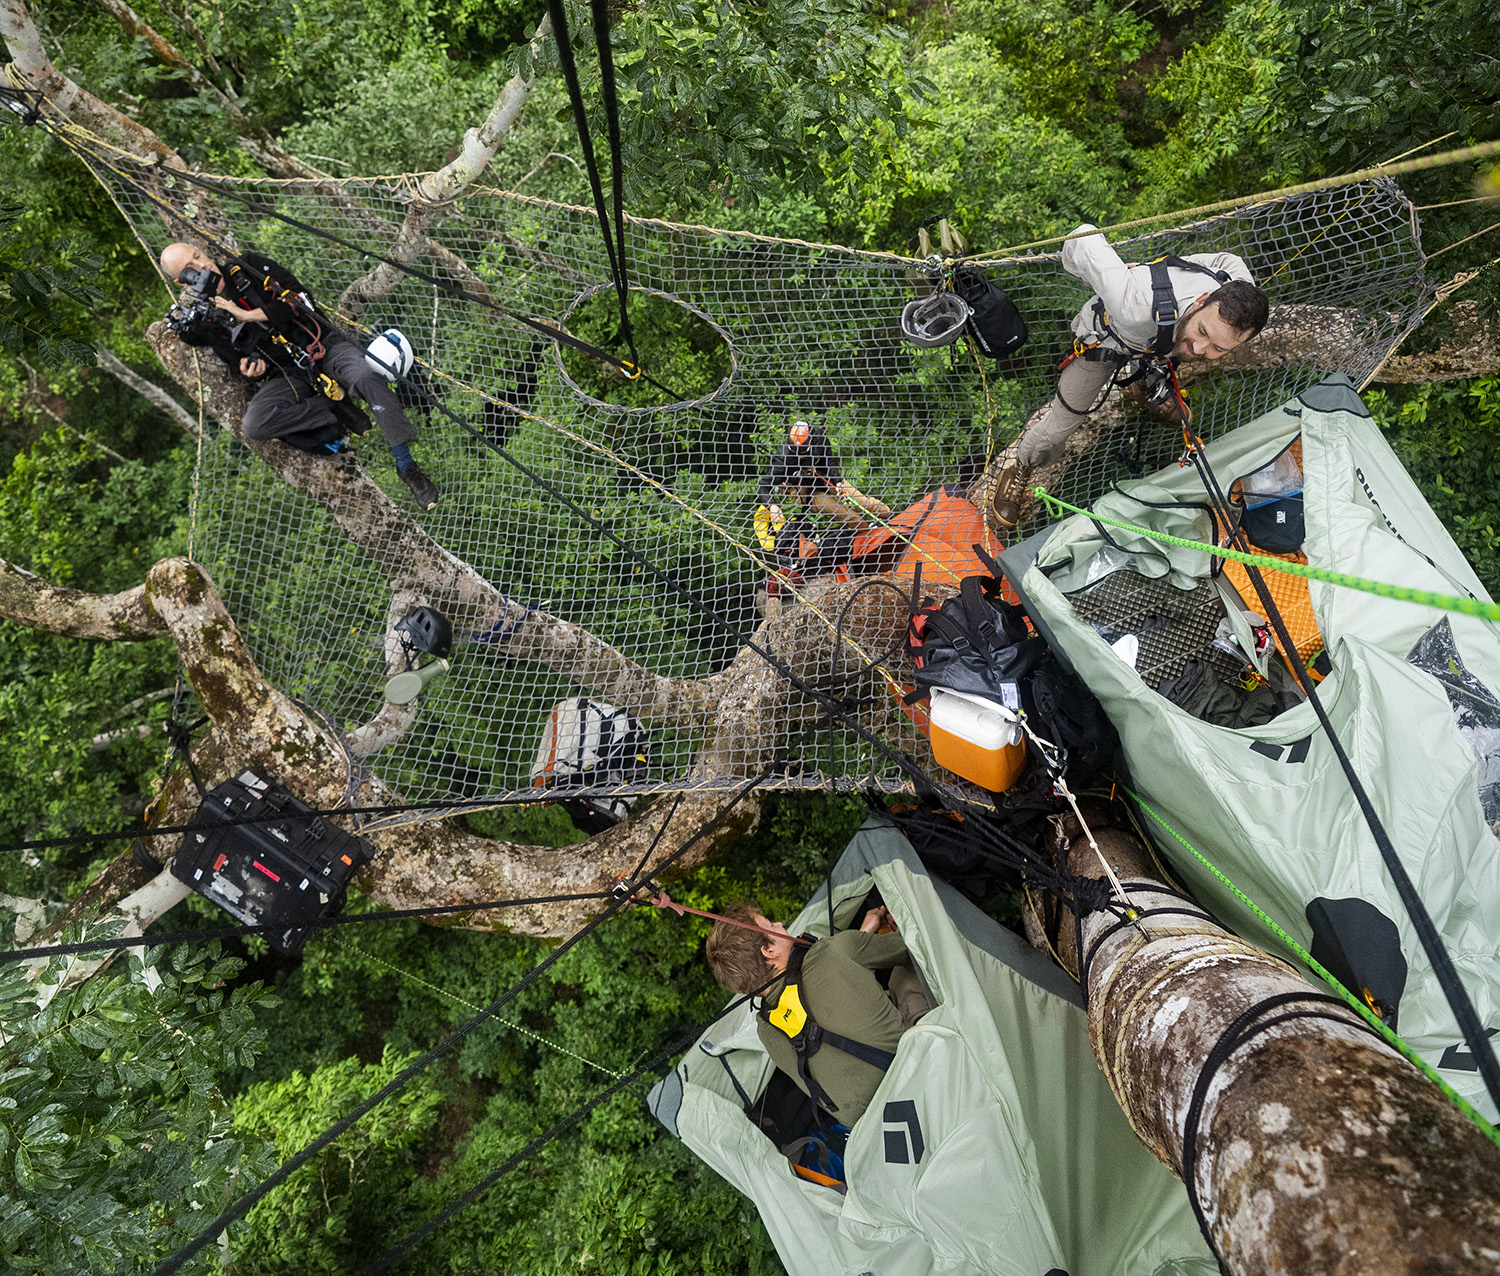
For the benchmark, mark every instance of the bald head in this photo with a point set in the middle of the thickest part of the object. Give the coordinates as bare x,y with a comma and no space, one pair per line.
175,258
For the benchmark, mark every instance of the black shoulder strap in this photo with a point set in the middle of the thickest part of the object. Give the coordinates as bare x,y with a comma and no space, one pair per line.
1164,311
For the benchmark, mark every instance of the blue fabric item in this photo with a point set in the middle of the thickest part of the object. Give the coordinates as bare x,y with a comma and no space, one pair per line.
825,1152
404,458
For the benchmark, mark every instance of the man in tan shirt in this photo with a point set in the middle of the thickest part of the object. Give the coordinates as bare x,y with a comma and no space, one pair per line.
1214,308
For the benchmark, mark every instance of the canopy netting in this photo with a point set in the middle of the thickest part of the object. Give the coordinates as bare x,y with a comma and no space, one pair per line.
807,331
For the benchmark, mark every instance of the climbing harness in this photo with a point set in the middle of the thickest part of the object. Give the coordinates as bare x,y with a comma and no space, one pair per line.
792,1017
307,348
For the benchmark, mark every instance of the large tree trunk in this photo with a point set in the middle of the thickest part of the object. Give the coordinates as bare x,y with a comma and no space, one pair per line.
1319,1149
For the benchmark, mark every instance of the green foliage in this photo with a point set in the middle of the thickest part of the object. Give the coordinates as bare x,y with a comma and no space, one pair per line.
404,116
115,1143
1371,79
44,290
713,92
321,1214
1068,57
64,518
1448,438
1222,106
974,154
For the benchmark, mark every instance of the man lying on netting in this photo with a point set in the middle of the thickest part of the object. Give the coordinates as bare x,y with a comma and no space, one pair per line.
1153,316
826,994
268,329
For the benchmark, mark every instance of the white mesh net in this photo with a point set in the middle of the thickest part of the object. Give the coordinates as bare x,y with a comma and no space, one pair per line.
811,331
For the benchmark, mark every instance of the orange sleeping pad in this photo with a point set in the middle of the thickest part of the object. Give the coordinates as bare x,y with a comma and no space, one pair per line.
1288,592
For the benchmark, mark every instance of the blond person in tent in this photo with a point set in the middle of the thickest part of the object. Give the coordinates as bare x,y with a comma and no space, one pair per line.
828,990
254,314
1179,308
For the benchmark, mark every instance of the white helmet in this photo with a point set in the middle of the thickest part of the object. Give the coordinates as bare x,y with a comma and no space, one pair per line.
390,354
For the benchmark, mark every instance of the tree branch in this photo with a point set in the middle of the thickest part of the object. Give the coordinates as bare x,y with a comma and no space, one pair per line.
31,601
32,66
152,393
1473,351
1313,1133
479,147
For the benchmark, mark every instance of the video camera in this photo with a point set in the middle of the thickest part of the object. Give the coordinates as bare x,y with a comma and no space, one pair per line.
196,307
195,310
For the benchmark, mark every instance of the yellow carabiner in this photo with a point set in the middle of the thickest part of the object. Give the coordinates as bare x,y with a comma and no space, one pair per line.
632,371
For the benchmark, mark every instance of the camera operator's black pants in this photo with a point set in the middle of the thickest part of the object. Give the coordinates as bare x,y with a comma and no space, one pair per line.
290,408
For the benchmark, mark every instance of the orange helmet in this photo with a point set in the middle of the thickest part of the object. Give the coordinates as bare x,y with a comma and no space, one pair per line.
799,433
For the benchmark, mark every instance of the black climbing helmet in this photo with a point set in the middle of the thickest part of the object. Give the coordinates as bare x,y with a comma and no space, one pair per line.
426,631
934,320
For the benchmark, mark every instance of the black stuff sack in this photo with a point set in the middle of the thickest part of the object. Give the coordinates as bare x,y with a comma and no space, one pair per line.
995,325
1279,526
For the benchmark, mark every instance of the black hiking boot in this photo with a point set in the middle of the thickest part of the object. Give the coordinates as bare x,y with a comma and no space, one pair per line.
423,490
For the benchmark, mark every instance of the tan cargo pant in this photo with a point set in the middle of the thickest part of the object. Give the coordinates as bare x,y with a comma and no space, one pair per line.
1079,385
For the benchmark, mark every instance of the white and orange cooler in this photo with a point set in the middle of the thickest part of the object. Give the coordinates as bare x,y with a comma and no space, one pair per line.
976,739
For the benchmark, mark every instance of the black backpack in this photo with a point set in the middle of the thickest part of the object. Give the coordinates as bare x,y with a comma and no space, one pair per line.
976,642
995,325
979,643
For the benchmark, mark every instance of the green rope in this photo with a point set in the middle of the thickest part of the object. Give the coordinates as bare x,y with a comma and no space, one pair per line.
1308,960
1400,593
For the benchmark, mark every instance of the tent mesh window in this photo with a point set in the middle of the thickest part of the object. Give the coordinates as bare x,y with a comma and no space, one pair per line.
764,332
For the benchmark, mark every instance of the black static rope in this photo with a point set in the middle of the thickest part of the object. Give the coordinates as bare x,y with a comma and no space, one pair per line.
246,1202
600,11
230,932
1239,1033
396,1251
557,10
1448,979
676,802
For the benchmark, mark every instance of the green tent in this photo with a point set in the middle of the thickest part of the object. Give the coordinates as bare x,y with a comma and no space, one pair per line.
992,1146
1410,696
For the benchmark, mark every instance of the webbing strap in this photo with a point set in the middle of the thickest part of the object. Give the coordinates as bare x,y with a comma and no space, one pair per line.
1164,308
559,15
881,1059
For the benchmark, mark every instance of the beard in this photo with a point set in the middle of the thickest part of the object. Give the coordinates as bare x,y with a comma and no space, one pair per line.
1178,352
